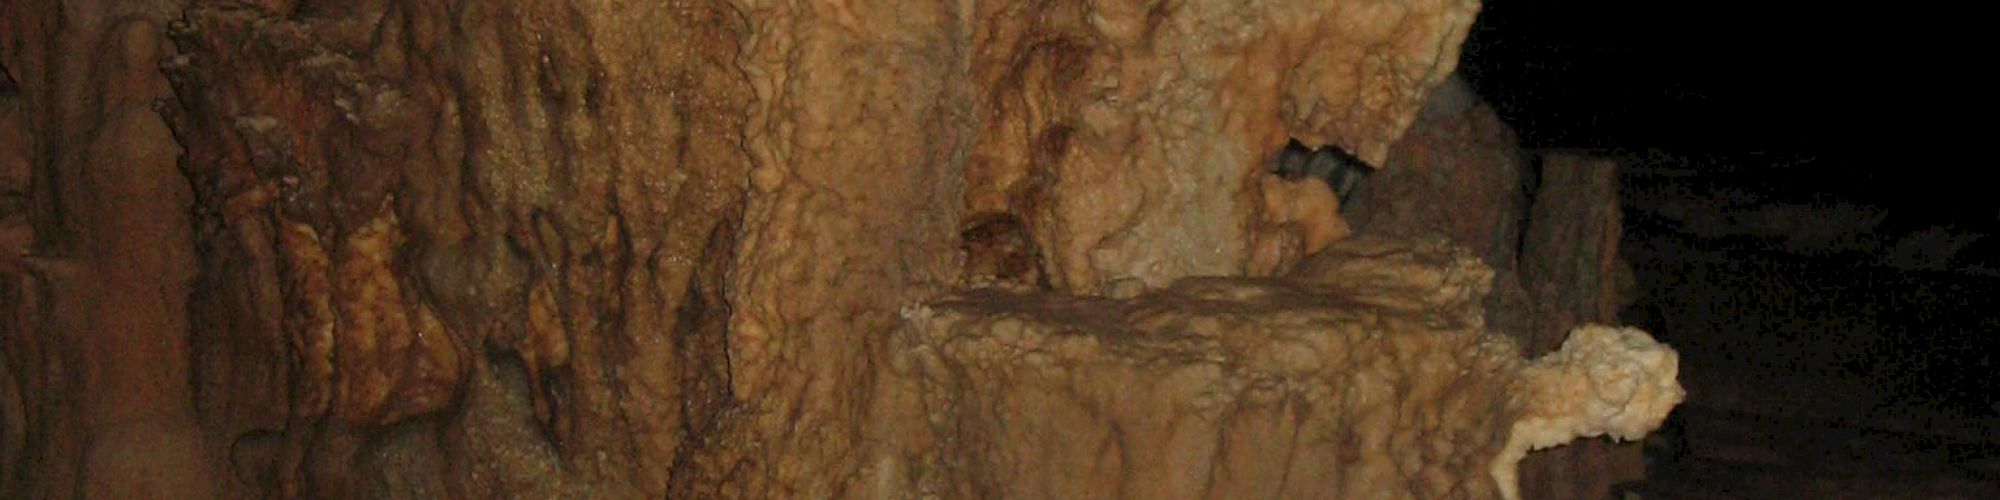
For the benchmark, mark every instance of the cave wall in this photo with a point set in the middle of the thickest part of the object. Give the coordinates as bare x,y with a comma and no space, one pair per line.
1546,222
406,200
96,257
1081,147
1367,372
477,249
1123,138
1457,172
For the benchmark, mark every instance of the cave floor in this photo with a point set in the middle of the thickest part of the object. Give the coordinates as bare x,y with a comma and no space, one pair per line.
1729,454
1811,373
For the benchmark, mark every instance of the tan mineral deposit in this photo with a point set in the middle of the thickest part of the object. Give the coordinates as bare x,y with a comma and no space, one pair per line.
762,249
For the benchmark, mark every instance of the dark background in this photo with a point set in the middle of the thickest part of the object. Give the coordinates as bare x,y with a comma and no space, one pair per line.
1873,101
1808,219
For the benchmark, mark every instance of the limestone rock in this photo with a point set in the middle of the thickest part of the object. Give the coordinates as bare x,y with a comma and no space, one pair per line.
399,199
96,259
1568,273
1115,146
1456,173
479,248
1240,388
1430,273
1131,139
1603,382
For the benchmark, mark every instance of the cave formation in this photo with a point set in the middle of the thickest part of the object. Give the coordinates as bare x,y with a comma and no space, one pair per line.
699,248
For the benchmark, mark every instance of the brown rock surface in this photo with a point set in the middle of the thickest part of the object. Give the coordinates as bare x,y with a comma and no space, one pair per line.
1569,270
97,259
1570,251
400,198
1337,385
1131,138
1208,389
547,249
1117,146
1456,173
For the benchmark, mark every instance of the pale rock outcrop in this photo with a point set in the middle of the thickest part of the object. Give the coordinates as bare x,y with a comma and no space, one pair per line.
1602,382
1365,376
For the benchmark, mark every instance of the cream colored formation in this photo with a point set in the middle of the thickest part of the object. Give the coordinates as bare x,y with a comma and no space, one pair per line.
1367,374
1615,382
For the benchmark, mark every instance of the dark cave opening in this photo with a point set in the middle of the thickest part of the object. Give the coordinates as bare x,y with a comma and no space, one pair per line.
1835,312
1338,168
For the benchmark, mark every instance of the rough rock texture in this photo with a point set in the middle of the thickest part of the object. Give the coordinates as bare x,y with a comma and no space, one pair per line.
1610,382
1570,271
1570,265
1456,173
550,249
96,259
399,199
1129,138
1367,376
1114,146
